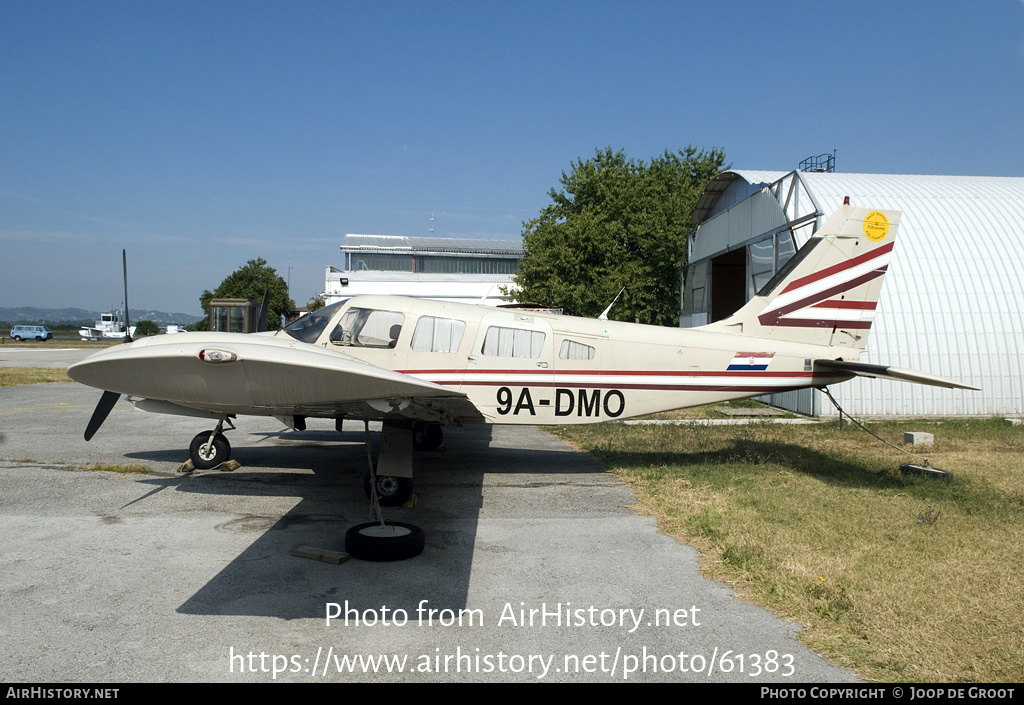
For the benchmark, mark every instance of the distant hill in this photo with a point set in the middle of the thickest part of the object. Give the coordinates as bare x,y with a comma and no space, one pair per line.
79,316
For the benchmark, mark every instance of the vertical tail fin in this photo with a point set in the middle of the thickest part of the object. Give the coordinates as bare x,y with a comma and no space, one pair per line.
827,293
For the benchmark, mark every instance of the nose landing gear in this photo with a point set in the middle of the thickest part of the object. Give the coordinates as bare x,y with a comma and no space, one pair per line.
210,448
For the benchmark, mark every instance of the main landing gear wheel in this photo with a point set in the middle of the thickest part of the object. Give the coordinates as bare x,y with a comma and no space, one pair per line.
394,541
427,436
205,455
391,491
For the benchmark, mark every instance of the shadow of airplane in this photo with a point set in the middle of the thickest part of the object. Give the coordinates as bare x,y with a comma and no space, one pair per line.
853,473
324,471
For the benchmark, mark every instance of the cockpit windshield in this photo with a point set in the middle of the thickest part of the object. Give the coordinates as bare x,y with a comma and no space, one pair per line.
309,327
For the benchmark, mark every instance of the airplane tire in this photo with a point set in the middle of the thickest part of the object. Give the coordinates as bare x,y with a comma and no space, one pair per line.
391,491
395,541
427,436
203,456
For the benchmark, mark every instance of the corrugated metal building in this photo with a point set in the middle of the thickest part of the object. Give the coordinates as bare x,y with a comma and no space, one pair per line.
952,303
451,269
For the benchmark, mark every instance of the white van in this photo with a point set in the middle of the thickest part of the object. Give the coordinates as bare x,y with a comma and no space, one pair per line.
31,332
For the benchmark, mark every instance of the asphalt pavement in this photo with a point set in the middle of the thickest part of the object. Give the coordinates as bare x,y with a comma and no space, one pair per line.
24,355
536,567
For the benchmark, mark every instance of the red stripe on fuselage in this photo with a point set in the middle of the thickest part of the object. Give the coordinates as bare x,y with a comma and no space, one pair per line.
621,379
613,373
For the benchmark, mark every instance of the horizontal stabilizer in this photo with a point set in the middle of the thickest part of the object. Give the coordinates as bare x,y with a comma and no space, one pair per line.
863,370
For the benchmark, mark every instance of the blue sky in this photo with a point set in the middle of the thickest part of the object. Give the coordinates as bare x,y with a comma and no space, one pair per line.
199,135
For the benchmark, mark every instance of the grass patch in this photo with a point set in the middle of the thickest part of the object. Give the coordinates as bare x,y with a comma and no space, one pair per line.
17,376
133,468
719,410
900,578
59,341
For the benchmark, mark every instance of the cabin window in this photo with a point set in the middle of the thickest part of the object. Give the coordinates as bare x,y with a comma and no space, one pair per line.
512,342
438,334
368,328
571,350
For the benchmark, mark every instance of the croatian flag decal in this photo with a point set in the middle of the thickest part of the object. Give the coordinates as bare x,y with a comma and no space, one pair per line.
750,361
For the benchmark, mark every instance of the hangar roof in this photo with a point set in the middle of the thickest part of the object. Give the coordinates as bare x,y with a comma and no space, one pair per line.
450,245
953,301
884,190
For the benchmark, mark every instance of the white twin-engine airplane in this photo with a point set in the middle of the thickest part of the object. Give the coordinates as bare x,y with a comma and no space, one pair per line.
417,364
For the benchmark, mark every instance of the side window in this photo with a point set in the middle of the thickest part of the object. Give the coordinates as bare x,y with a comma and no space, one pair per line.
513,342
368,328
571,350
438,334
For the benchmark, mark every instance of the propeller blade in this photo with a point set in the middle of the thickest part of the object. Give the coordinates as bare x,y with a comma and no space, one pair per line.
127,323
103,408
262,325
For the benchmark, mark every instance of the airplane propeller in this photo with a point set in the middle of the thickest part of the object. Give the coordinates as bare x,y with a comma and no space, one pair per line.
99,415
107,401
262,324
127,323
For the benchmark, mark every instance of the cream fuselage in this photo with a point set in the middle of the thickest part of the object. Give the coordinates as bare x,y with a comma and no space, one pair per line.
514,366
608,369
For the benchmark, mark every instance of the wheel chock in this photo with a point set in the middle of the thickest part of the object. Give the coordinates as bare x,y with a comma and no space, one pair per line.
226,466
320,554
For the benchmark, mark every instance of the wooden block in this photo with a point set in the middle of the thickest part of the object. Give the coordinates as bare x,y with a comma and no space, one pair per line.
320,554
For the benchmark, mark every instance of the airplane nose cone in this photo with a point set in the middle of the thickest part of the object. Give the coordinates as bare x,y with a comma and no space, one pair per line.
151,368
96,370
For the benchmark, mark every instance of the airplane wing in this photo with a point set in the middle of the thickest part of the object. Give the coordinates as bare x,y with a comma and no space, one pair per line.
230,373
885,372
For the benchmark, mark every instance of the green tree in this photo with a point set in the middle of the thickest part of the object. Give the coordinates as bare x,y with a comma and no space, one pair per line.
616,223
315,303
146,328
249,282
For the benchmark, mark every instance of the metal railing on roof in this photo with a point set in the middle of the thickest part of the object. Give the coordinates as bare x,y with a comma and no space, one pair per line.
821,163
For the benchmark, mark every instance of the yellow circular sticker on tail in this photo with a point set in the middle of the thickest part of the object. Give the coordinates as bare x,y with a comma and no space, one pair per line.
876,226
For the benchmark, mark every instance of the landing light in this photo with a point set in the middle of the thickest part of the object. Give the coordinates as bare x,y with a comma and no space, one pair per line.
211,355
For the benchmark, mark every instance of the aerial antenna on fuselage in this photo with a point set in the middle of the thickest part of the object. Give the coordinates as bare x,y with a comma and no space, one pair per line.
604,315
